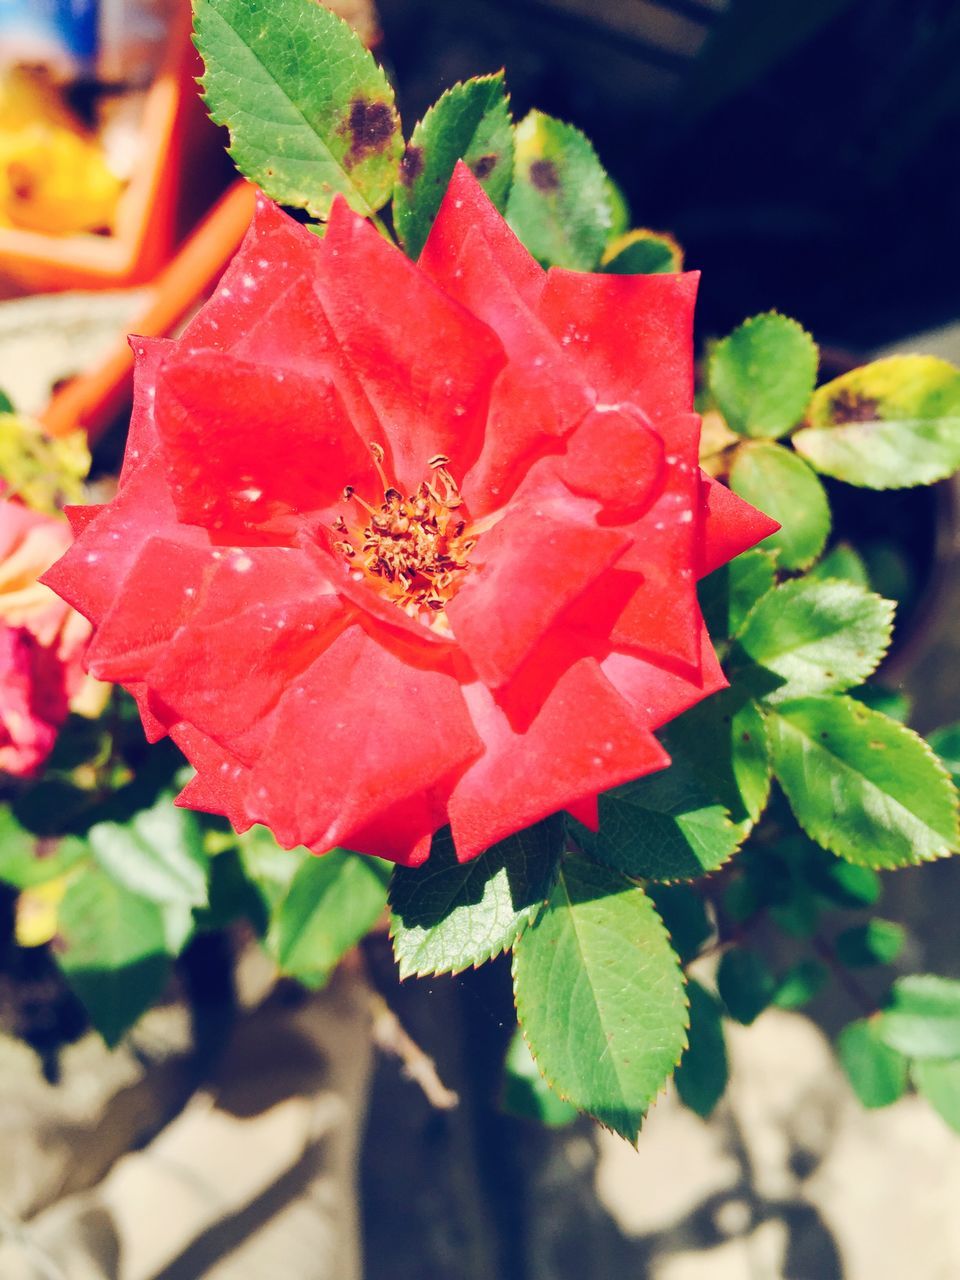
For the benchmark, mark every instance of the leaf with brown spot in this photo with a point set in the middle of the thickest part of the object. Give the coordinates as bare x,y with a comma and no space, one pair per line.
470,122
309,111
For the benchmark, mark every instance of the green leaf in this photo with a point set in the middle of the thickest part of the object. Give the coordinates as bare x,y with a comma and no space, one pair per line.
642,252
876,942
778,482
268,866
6,404
745,983
233,896
946,743
892,702
888,425
309,111
877,1073
684,914
662,827
702,1075
862,785
800,984
158,854
112,950
844,884
526,1094
922,1019
619,209
470,122
600,995
841,561
724,738
762,375
939,1083
21,862
332,902
814,637
559,203
448,915
728,594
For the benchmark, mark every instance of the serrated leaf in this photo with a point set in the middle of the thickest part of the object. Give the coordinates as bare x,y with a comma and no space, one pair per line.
888,425
525,1093
939,1083
813,637
684,914
861,784
724,738
333,900
728,594
892,702
665,826
559,203
778,482
448,915
158,854
841,561
745,984
642,252
600,995
702,1075
26,862
877,1073
470,122
112,950
762,375
876,942
309,111
800,984
922,1019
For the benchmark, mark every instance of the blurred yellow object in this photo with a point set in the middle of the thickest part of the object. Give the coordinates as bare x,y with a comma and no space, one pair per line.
36,914
53,174
42,471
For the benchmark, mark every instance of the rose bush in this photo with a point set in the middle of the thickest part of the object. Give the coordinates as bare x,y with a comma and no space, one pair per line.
41,639
398,545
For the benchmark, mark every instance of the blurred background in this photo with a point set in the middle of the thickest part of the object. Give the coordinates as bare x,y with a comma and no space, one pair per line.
804,155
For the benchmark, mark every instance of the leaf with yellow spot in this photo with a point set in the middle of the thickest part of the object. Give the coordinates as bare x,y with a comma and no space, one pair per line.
642,252
36,912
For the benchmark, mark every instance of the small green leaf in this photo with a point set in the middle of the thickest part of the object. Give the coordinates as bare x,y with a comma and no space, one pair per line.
21,863
843,883
877,1073
470,122
939,1083
778,482
6,404
268,866
701,1077
233,896
448,915
946,743
862,785
113,950
745,983
642,252
600,995
876,942
158,854
724,738
662,827
892,702
559,203
814,637
684,913
841,561
762,375
309,111
728,594
526,1094
922,1019
333,901
888,425
800,984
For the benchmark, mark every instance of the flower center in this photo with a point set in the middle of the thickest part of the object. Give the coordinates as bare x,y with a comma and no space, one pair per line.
414,550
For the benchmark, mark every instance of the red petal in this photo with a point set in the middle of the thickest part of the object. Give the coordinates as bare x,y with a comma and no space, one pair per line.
633,335
524,572
585,739
615,457
249,447
221,782
730,525
148,354
659,692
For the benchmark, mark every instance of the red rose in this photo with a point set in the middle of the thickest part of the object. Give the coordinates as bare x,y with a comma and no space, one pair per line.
398,545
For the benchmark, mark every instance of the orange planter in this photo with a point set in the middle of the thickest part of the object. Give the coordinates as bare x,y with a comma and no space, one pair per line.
145,223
